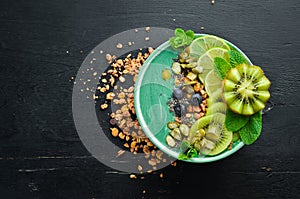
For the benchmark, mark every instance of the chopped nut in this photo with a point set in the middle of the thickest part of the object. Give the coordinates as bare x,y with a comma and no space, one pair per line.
108,57
146,150
130,89
119,45
110,96
104,106
197,116
152,162
150,50
196,109
149,144
133,144
132,176
147,29
197,87
95,97
120,152
161,175
112,80
140,168
114,132
122,79
121,95
159,154
203,107
121,135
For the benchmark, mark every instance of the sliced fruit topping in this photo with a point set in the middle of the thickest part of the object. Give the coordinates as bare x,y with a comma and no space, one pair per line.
215,97
212,82
206,61
202,44
218,107
209,134
246,89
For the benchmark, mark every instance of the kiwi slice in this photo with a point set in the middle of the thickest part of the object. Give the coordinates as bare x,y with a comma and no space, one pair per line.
245,89
216,96
218,107
217,137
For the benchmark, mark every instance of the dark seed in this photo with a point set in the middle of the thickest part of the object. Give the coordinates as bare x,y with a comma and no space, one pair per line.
196,99
179,109
178,93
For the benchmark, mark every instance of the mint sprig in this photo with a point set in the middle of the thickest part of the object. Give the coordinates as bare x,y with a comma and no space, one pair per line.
187,151
249,127
251,131
234,121
236,58
181,38
221,67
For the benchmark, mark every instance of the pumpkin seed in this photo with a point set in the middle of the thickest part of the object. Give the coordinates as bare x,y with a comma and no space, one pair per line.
172,125
170,141
175,133
176,68
184,129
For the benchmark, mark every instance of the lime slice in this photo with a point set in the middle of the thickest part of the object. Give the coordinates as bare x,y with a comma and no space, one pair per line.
212,82
202,44
206,61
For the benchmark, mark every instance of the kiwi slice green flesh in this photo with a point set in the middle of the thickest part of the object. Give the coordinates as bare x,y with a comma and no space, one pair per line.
218,107
223,142
215,97
217,137
245,89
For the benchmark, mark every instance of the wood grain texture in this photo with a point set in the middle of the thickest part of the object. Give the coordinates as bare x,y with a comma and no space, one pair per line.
41,155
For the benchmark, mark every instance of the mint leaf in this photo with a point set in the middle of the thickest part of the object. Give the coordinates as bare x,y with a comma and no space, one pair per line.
251,131
189,36
187,151
236,58
178,41
182,156
172,42
181,38
235,121
221,67
180,33
192,153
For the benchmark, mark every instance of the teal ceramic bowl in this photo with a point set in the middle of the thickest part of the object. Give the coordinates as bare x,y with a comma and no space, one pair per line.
151,95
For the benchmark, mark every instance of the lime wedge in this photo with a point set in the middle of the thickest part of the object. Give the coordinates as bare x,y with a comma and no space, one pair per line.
202,44
212,82
206,61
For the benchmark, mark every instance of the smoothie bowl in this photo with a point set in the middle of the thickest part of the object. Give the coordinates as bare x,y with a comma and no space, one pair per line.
199,98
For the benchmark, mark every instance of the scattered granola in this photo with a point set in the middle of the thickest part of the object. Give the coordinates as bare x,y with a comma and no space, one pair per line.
116,90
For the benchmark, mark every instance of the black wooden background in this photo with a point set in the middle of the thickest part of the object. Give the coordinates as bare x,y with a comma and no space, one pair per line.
41,155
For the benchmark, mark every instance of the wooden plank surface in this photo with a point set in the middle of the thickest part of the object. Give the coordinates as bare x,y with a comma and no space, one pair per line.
43,43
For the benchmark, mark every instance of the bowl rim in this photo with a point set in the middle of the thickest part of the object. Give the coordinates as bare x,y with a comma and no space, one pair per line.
143,124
